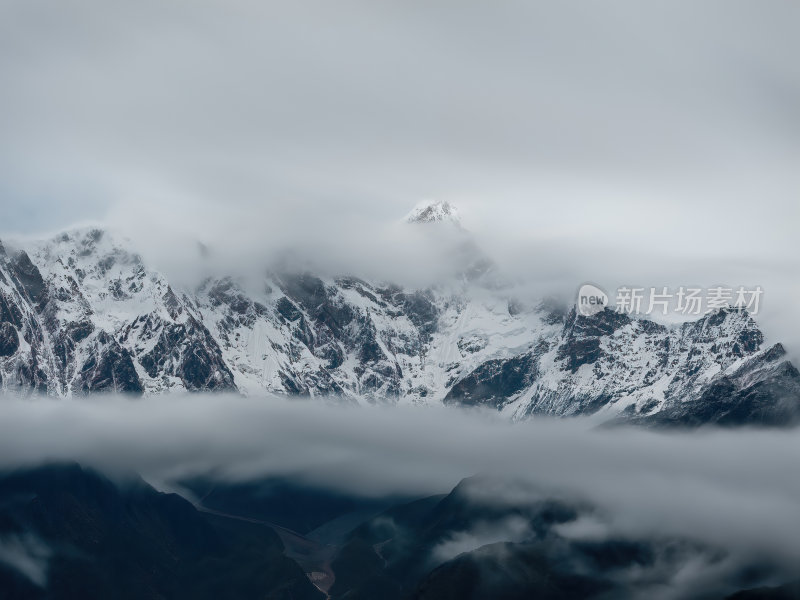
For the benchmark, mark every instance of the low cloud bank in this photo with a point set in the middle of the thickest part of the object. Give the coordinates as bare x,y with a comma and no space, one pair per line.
729,488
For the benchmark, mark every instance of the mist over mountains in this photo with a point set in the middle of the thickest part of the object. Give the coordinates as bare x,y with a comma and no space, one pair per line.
83,312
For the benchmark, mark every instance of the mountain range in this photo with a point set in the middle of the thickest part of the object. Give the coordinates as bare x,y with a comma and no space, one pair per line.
83,312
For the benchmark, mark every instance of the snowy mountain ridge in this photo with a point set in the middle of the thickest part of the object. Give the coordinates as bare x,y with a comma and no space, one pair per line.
82,313
439,211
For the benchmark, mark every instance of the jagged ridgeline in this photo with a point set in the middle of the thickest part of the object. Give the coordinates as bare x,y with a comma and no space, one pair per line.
82,313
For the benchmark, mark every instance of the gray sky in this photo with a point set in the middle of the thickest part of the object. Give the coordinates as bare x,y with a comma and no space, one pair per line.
655,142
569,114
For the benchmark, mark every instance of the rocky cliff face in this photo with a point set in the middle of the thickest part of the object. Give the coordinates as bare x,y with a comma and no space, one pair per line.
83,313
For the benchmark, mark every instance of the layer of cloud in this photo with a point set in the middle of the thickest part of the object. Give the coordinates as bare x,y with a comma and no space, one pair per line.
734,489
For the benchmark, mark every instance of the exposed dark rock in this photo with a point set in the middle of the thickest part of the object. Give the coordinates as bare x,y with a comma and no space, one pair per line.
109,368
580,351
605,322
224,292
774,353
9,339
9,311
117,290
368,348
325,309
64,343
360,286
767,398
172,303
421,311
492,383
749,341
418,306
30,279
189,351
106,263
582,336
319,383
471,345
79,330
287,309
31,376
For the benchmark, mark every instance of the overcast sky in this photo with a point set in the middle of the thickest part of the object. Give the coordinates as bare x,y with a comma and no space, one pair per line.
669,131
573,114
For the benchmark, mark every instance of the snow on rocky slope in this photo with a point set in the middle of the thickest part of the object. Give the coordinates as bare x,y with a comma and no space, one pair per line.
434,212
82,312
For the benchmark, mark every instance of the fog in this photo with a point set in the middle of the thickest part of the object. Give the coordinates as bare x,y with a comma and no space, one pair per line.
26,554
732,489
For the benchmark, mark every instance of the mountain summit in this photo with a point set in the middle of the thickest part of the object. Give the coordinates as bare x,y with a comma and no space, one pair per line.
437,211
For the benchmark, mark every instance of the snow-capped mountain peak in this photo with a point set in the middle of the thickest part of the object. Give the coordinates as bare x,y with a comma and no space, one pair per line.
434,211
